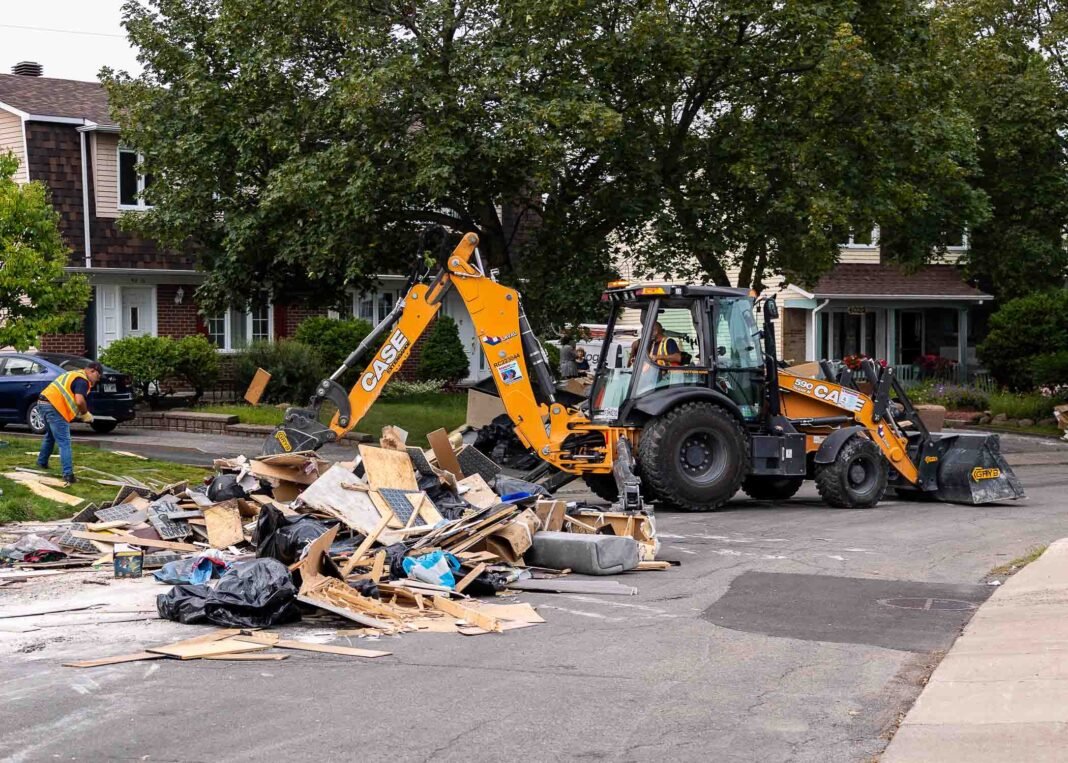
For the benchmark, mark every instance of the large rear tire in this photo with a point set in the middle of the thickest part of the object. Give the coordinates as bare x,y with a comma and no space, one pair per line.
603,486
771,488
694,457
857,477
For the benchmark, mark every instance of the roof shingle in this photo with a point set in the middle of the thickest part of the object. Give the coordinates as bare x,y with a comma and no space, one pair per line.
872,280
45,96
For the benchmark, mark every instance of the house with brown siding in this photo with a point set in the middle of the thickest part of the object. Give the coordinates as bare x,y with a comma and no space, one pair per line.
63,135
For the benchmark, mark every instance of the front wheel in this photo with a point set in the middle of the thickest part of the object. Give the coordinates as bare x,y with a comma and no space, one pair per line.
103,427
35,419
694,457
856,479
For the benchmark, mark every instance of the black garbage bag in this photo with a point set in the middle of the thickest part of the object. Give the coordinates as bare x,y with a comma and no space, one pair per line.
284,538
253,594
512,487
448,504
224,487
498,440
184,603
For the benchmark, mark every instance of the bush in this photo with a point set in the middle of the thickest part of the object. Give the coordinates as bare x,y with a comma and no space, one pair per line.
1016,406
443,355
1021,331
148,359
1051,369
552,356
198,363
333,339
296,370
399,389
955,397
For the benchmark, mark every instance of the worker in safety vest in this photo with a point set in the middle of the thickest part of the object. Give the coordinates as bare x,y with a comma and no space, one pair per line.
664,351
60,403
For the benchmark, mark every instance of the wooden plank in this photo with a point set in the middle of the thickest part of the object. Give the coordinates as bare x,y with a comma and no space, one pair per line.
517,613
568,585
46,611
256,387
196,651
469,577
388,468
246,657
653,565
133,540
379,566
476,492
307,646
443,452
354,508
44,491
128,454
468,615
348,614
364,547
224,525
207,638
428,512
135,657
21,475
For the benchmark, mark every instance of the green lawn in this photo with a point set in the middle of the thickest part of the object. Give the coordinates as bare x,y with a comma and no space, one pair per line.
17,503
417,414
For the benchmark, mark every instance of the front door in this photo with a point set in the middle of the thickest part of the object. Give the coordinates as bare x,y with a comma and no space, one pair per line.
137,318
476,360
910,336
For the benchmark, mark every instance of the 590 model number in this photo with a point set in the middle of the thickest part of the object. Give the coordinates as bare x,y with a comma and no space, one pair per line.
843,398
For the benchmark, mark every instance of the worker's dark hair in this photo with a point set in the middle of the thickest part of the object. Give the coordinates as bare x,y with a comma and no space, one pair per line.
94,366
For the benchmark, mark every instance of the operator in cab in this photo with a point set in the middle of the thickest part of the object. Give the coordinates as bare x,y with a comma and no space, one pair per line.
60,403
664,351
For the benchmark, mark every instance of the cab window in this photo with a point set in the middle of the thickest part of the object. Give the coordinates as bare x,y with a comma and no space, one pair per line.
736,333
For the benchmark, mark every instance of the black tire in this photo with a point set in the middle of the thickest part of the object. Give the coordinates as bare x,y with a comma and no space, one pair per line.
694,457
771,488
857,477
34,420
603,486
103,427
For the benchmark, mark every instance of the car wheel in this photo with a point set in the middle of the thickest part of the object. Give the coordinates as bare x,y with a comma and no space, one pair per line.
35,419
103,427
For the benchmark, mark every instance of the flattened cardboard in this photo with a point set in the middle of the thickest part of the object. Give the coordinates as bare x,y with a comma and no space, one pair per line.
256,388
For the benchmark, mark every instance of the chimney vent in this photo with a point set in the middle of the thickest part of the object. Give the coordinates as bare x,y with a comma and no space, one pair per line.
28,69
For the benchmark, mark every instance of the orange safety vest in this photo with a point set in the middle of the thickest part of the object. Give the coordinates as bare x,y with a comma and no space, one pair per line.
61,395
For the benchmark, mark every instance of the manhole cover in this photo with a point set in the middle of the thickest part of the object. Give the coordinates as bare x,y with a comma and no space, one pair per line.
938,605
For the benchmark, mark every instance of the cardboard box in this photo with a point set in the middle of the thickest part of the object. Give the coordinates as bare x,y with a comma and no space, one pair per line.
512,540
551,514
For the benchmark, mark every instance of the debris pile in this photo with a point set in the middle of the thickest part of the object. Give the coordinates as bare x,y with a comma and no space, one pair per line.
397,540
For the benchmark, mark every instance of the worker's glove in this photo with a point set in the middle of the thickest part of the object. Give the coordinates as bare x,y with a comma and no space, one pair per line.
87,417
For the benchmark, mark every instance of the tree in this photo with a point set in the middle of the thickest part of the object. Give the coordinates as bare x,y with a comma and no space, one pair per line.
442,355
299,146
1010,68
1022,331
36,296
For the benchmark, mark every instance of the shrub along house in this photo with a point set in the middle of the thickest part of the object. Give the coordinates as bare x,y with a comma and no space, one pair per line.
62,133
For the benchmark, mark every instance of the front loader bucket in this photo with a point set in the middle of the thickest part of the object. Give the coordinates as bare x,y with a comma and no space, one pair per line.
299,431
972,471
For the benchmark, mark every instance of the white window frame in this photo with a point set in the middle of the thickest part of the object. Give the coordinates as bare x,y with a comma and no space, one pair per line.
852,244
140,205
376,299
228,333
963,247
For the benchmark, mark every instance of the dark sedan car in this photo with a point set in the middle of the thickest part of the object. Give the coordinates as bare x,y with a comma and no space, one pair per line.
24,375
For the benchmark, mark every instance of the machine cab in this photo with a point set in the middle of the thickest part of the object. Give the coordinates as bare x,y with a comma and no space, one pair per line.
678,338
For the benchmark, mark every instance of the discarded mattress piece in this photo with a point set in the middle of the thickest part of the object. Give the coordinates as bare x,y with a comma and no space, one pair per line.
584,554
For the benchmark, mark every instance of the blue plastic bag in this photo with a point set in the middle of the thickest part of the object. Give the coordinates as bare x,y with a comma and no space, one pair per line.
436,568
195,569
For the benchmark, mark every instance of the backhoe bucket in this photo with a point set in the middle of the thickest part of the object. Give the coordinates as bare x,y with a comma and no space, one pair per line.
972,471
299,431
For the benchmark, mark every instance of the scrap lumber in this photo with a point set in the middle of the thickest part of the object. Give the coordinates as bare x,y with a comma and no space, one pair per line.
133,540
476,492
47,611
470,577
467,614
40,489
388,468
443,452
189,651
135,657
354,508
257,386
307,646
245,657
224,525
368,541
348,614
22,474
129,454
393,438
310,567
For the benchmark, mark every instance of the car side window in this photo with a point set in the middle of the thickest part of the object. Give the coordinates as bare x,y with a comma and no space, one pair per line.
21,367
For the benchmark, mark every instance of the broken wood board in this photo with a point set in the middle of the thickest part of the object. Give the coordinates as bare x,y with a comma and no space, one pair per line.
224,525
289,467
388,468
135,657
307,646
443,452
393,438
246,657
257,386
42,490
425,508
470,577
653,565
354,508
516,613
570,585
476,492
195,651
21,475
133,540
47,611
348,614
310,566
128,454
364,547
467,614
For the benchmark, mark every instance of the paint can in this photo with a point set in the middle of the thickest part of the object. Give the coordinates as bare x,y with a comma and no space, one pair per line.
129,561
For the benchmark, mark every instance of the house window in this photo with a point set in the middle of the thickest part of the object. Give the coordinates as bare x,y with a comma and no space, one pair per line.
957,240
863,237
373,307
132,184
237,329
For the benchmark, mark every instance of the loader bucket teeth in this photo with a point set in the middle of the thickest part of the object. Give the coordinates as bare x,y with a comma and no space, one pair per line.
973,471
299,431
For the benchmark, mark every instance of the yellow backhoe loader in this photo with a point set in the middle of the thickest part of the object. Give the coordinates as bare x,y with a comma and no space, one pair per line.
691,419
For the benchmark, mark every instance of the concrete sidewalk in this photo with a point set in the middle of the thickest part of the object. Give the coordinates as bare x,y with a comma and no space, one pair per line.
1001,693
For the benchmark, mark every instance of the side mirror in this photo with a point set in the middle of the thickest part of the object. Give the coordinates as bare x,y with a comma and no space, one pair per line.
771,309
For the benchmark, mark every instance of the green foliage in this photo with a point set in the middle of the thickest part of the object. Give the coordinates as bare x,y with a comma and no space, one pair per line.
150,360
295,369
1022,330
1051,369
955,397
36,296
198,363
1022,406
399,389
334,340
552,353
443,355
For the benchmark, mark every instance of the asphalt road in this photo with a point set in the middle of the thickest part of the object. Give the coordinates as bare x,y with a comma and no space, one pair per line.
789,632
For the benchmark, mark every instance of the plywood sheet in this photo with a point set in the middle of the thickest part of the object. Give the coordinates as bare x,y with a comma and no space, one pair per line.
307,646
195,651
255,389
476,492
133,540
353,507
388,468
135,657
443,453
224,525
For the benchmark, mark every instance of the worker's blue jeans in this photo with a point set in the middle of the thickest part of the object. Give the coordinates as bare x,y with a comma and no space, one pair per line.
57,432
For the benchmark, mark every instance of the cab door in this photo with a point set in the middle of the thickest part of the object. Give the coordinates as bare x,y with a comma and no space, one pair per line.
738,357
